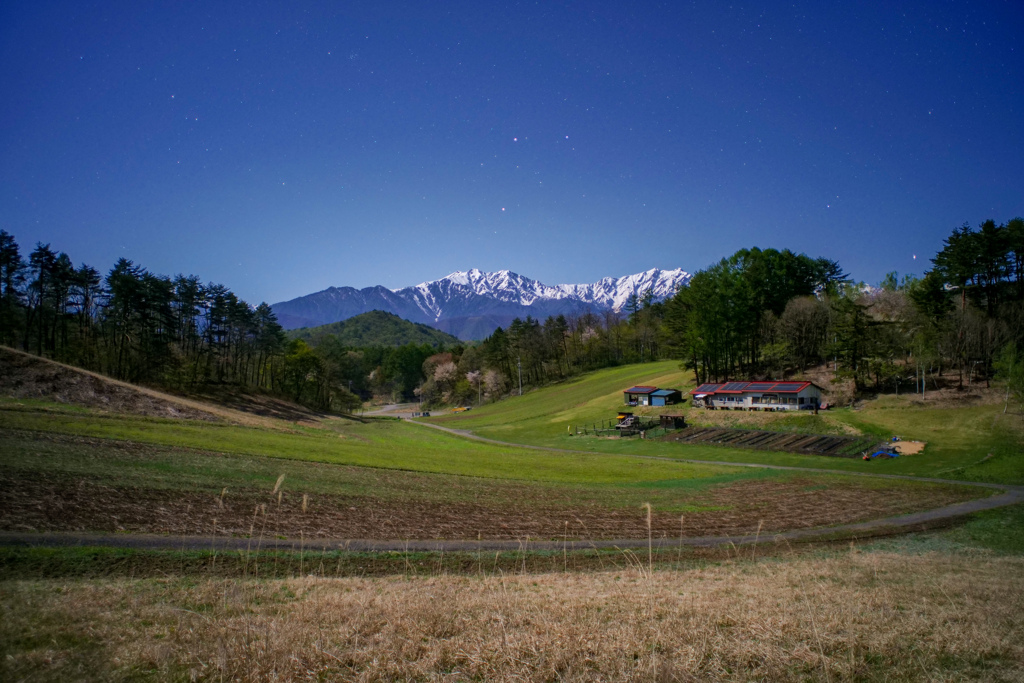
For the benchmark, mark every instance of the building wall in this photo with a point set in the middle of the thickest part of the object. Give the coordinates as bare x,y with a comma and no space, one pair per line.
811,395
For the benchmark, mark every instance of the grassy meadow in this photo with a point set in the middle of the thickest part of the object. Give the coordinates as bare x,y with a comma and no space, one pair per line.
377,443
974,442
69,469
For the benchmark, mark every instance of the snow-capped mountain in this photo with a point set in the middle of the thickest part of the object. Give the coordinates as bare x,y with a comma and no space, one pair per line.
471,304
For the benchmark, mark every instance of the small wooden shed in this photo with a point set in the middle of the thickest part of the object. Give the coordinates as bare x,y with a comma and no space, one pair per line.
666,397
672,421
639,395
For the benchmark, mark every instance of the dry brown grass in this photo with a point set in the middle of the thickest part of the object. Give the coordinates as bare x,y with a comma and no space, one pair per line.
851,615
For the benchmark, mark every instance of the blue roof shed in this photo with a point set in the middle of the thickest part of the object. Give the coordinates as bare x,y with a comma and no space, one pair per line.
666,397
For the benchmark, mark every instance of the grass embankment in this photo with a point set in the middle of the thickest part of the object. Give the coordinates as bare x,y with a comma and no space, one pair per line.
388,444
969,443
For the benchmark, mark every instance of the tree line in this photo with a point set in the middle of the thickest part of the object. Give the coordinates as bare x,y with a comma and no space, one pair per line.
766,314
773,314
758,314
176,333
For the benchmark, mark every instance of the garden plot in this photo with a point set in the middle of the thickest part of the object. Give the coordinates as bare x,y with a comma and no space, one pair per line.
812,444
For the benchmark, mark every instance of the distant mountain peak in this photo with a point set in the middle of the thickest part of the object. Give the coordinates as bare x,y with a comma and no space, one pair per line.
476,295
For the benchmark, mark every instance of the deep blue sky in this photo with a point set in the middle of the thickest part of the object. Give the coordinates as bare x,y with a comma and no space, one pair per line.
280,148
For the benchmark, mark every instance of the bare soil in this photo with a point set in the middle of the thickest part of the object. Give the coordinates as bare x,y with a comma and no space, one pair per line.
909,447
793,442
39,502
263,405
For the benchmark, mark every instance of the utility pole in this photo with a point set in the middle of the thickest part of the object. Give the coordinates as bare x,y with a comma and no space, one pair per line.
519,364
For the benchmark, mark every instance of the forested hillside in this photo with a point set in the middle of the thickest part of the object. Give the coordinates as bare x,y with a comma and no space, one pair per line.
774,314
759,313
134,325
376,328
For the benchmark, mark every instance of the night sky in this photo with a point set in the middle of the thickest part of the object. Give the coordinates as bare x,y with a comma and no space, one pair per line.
281,148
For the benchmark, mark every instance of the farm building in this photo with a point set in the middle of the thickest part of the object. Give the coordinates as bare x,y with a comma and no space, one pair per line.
642,395
666,397
758,396
639,395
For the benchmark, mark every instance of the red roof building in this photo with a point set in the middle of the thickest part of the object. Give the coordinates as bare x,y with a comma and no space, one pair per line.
758,396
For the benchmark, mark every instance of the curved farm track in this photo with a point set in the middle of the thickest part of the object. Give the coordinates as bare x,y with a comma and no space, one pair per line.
886,526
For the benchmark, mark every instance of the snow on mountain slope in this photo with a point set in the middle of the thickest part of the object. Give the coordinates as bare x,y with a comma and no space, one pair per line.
478,298
506,286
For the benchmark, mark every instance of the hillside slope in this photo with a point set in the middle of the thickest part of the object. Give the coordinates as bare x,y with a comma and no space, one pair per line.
376,328
25,376
970,442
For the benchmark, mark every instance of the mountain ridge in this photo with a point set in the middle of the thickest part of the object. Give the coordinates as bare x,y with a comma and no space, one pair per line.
482,299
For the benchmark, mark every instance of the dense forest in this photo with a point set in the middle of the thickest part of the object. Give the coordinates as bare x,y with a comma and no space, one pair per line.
756,314
375,328
767,313
180,334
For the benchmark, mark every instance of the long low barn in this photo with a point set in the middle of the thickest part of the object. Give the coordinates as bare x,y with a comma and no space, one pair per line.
758,396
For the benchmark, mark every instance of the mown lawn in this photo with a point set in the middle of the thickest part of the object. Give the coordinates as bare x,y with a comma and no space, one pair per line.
971,443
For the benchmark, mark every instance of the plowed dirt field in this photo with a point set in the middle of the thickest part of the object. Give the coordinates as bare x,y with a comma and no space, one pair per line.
49,503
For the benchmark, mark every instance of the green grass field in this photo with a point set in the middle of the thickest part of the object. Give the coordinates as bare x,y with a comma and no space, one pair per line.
383,459
387,444
25,456
46,446
973,443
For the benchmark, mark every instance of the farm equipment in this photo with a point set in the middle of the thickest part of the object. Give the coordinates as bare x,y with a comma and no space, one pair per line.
883,453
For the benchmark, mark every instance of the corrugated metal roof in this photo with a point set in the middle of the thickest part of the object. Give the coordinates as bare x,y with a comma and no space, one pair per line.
665,392
743,387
